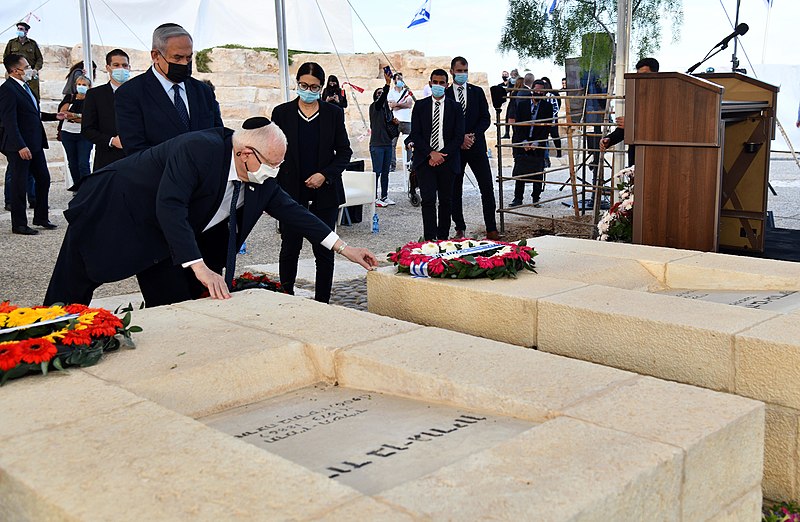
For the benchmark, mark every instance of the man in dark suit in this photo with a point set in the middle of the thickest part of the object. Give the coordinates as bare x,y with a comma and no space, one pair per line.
437,133
99,123
23,142
168,211
530,142
472,101
165,100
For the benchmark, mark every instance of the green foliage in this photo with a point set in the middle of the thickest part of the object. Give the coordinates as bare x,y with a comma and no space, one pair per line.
533,33
203,57
782,512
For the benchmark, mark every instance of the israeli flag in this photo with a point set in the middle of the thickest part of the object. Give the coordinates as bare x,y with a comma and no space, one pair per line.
423,14
553,6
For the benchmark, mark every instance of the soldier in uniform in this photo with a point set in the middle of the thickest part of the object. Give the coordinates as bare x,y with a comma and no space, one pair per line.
28,48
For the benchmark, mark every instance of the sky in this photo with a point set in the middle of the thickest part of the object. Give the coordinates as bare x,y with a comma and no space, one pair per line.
472,28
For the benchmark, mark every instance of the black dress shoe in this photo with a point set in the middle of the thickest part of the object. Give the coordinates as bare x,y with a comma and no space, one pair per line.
45,224
25,230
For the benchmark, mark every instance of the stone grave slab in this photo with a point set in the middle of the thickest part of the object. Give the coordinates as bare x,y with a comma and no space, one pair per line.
781,301
369,441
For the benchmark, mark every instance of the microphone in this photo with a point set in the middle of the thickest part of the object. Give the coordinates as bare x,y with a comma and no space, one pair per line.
740,30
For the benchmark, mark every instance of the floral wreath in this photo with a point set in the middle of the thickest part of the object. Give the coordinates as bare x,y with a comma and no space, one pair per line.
617,223
464,259
42,338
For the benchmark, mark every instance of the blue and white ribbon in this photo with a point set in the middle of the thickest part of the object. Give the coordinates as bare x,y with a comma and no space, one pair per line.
419,269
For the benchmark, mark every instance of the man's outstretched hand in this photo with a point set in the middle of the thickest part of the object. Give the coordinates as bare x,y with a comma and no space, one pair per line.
362,256
215,283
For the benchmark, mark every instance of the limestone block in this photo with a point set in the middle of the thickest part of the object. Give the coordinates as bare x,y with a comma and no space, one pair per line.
727,272
768,361
565,469
356,65
746,509
236,95
366,508
503,309
242,111
56,57
780,450
721,435
270,97
470,372
243,61
664,336
654,259
24,408
268,80
233,365
304,320
55,153
51,90
598,270
181,470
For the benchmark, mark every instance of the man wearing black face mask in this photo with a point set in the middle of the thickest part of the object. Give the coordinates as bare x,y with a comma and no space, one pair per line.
165,101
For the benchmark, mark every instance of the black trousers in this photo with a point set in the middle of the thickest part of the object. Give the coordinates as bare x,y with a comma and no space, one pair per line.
435,182
531,163
20,169
292,244
161,284
479,163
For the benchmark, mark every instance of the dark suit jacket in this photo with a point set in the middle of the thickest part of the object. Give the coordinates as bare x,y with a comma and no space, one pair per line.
540,132
147,116
477,118
21,120
152,205
616,136
333,154
99,125
452,130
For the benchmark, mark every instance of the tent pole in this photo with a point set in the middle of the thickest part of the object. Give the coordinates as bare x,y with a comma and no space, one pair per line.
624,12
283,52
86,40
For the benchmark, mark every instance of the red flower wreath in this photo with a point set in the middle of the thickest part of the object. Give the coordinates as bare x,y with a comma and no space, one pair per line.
464,259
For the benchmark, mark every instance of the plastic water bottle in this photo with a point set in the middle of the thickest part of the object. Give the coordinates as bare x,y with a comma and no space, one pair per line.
375,226
243,250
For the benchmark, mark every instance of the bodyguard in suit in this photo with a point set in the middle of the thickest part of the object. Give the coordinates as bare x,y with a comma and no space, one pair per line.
165,215
530,142
437,133
473,103
23,141
165,100
98,123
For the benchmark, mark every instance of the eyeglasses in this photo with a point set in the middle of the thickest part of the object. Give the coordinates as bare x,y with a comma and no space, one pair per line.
307,87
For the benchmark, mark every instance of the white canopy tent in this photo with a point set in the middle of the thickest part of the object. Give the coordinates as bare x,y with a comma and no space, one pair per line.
129,24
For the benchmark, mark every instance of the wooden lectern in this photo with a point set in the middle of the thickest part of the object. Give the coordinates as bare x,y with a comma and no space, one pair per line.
674,120
702,159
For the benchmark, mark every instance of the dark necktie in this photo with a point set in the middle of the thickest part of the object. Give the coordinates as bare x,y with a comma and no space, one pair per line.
461,99
230,264
183,113
435,129
30,93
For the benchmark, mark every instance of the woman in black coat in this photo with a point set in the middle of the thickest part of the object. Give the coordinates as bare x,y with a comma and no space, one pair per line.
318,151
334,93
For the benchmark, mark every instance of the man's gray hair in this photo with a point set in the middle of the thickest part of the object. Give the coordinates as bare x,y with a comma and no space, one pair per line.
528,80
262,139
164,32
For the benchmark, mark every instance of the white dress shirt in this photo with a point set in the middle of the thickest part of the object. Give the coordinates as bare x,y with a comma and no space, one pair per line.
441,119
224,210
167,84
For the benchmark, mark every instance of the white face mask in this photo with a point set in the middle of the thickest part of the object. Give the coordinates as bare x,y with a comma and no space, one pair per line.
263,172
29,75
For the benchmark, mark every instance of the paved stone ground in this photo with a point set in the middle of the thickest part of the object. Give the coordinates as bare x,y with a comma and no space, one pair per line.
28,260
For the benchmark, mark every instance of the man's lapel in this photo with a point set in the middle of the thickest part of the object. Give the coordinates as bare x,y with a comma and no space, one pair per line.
162,101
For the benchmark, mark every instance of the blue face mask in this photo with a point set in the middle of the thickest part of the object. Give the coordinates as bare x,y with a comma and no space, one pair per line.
437,91
400,84
460,78
82,89
307,96
120,75
21,34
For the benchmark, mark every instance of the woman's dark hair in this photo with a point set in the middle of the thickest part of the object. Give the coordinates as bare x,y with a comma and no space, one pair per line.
312,68
79,65
547,82
333,78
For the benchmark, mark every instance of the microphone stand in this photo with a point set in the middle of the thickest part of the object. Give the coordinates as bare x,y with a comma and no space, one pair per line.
708,56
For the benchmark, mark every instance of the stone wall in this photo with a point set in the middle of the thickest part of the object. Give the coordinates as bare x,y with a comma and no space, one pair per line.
599,302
